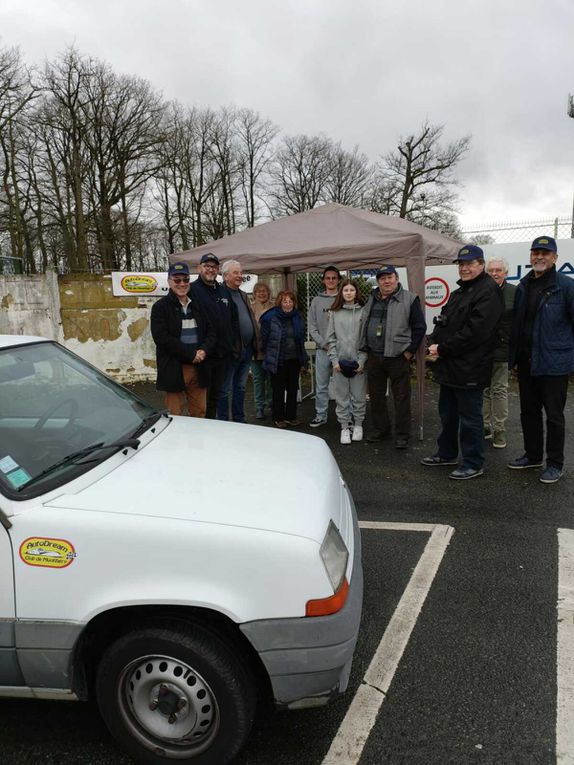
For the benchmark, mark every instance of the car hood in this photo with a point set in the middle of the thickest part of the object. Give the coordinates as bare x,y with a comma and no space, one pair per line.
223,473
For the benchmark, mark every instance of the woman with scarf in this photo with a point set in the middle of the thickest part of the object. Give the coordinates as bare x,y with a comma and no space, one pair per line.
283,340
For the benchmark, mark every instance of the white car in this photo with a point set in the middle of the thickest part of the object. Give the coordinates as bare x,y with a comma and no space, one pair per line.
176,568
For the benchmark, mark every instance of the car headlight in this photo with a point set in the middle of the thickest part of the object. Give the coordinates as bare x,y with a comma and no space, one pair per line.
334,555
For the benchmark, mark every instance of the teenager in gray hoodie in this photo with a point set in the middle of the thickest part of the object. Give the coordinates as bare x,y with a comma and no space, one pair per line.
318,320
343,342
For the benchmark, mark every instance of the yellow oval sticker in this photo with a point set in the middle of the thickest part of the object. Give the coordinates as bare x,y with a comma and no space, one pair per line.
47,552
138,283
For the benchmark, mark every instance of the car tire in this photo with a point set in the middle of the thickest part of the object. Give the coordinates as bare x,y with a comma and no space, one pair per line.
176,693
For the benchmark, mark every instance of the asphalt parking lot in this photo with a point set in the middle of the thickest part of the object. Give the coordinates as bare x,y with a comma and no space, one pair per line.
477,680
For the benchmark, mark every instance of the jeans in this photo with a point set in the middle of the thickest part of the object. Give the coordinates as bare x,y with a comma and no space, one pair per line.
460,413
215,367
235,382
322,377
261,385
546,392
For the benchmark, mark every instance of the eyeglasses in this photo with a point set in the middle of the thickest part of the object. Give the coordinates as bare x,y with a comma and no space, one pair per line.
180,279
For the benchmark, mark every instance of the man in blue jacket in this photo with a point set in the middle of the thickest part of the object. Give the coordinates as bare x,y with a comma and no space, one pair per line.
542,348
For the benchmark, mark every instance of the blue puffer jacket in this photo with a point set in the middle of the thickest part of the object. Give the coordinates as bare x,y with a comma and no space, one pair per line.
553,330
273,330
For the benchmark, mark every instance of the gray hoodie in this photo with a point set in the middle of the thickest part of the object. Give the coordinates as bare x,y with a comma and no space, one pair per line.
318,318
344,334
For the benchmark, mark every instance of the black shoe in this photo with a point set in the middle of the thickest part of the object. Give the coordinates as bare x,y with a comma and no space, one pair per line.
401,443
487,432
377,435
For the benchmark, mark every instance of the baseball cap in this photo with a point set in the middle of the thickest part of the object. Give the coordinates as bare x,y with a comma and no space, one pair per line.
209,257
544,243
178,268
385,271
469,252
348,368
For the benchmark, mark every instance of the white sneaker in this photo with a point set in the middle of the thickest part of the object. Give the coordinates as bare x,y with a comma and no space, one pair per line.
358,433
345,436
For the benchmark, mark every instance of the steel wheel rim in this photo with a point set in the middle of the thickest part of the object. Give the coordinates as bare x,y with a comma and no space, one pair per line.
168,705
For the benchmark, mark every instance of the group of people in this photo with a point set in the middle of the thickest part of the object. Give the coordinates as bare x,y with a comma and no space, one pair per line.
210,335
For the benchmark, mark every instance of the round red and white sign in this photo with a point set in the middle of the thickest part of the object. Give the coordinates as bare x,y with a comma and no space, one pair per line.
437,292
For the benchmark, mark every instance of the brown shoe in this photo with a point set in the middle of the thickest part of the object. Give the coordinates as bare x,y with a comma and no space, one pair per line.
280,424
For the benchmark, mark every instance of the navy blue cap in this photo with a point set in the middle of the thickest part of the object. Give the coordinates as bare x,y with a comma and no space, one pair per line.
178,268
385,271
469,252
544,243
209,257
348,368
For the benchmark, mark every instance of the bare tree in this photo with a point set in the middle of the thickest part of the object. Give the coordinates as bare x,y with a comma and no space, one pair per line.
418,176
299,174
349,177
255,136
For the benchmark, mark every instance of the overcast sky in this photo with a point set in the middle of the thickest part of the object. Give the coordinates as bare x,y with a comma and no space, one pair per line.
361,71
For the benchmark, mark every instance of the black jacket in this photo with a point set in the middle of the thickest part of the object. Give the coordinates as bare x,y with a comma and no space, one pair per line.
466,333
171,353
215,303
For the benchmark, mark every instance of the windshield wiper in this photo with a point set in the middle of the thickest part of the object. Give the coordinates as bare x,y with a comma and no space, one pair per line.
75,457
147,422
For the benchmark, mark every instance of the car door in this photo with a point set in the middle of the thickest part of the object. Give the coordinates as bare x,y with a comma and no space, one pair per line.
9,668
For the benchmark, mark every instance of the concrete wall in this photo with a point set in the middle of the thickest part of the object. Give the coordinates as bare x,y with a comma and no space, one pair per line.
82,313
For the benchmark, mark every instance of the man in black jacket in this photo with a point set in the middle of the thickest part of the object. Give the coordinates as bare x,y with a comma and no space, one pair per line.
462,347
184,338
214,302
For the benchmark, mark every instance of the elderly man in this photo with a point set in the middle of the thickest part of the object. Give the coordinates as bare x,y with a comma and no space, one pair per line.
542,347
462,347
393,329
495,406
184,337
209,295
319,312
246,341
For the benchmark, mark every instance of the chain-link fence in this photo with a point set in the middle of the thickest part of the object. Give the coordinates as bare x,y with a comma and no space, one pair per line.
522,231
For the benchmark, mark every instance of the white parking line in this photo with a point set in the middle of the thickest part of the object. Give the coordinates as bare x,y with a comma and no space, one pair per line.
565,649
353,732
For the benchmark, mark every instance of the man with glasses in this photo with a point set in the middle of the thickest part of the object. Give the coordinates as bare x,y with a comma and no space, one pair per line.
462,349
542,348
318,321
184,337
215,303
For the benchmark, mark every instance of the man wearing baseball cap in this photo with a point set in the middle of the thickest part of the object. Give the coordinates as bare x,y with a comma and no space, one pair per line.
462,349
184,337
393,330
209,294
542,349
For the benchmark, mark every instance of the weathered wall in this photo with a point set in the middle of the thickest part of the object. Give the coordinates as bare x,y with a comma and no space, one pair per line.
29,305
110,332
82,313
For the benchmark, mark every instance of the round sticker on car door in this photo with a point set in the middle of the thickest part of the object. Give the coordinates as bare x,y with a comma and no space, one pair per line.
47,552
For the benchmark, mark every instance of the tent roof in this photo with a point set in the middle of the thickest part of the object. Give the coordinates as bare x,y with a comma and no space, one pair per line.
331,234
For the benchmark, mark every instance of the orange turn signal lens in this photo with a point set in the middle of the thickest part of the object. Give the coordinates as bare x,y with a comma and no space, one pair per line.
331,605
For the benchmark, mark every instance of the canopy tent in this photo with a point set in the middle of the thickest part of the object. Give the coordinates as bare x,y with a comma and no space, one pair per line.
333,234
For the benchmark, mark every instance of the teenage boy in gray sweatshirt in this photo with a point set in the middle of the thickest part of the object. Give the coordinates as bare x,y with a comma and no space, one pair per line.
318,321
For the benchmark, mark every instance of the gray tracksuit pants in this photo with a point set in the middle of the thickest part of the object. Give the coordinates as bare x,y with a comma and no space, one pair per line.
350,393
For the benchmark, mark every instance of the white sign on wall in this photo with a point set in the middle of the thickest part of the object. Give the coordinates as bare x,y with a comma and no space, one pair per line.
152,283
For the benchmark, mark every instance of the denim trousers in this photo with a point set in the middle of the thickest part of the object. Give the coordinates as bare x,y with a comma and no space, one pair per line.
261,386
235,382
460,411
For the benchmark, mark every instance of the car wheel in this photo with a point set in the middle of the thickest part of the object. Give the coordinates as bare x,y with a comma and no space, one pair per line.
176,693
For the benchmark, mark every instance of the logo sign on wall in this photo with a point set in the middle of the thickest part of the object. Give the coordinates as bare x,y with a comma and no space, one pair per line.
437,292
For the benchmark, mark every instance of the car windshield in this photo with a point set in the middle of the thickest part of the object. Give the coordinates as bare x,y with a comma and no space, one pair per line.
56,414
